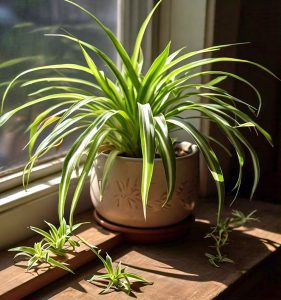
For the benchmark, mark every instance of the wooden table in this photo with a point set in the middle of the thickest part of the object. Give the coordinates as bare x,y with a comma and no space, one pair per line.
180,270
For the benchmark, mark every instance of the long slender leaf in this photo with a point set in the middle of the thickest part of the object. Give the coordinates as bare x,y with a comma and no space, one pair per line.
51,67
140,35
167,154
107,60
239,78
208,61
74,155
150,78
147,136
255,161
118,46
5,117
103,82
33,127
34,135
97,141
59,265
210,157
61,79
107,169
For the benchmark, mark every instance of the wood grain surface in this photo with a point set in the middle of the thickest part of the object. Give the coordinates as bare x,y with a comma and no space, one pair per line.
180,270
16,283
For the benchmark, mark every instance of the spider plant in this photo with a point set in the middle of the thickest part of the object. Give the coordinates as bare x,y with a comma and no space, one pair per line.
39,254
116,278
58,239
220,235
55,242
131,112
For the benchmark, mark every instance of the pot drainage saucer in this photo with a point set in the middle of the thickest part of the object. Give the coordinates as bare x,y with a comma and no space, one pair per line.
148,235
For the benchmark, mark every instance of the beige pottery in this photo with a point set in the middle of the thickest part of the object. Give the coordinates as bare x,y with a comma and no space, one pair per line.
121,201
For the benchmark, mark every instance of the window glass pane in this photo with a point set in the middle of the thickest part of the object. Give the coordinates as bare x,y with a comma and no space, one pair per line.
23,45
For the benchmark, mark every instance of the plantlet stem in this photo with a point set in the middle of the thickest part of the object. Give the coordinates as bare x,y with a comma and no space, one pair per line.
220,235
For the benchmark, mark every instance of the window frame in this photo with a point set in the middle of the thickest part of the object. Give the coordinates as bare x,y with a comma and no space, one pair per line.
12,178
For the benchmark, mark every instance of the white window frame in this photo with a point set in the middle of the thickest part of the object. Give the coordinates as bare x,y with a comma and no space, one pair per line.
12,178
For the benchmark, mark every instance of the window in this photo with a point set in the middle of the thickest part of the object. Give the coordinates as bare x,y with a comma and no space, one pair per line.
23,45
23,24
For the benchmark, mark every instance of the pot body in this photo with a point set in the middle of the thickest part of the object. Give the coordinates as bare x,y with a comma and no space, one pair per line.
121,202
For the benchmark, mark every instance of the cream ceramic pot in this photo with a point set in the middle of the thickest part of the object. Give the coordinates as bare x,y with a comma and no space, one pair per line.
121,201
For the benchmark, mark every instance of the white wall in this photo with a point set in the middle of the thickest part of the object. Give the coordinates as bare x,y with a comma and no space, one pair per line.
183,22
188,23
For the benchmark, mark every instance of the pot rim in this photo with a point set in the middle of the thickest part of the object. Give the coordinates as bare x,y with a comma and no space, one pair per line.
195,150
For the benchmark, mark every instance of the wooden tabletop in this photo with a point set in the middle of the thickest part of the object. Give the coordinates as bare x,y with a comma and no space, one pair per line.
16,283
180,270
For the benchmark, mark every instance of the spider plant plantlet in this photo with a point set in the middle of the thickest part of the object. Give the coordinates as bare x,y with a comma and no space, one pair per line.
55,243
134,113
221,232
39,254
58,240
115,278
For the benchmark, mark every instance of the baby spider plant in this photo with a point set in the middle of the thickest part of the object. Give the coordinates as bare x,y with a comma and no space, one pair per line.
39,254
220,235
58,240
116,278
55,242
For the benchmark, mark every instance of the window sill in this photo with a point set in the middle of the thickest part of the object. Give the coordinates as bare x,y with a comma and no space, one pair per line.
178,269
19,196
15,283
13,178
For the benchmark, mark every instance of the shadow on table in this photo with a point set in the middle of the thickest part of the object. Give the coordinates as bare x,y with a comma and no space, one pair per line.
181,260
186,259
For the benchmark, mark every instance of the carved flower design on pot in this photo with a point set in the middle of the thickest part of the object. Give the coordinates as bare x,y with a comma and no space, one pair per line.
157,204
128,193
185,193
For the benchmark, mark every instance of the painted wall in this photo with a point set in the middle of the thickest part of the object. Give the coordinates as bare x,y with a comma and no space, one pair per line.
183,22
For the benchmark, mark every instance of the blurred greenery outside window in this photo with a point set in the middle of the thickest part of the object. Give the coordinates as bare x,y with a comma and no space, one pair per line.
23,45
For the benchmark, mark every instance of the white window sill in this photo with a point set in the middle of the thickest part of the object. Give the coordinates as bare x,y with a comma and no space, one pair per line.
19,196
10,181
